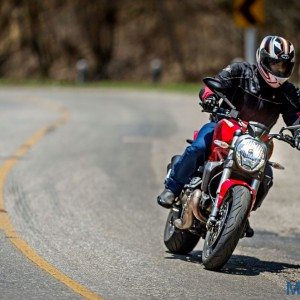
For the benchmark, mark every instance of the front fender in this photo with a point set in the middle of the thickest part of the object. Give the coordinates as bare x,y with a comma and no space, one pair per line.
228,184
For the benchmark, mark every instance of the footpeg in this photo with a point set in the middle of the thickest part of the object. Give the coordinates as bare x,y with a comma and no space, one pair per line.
248,231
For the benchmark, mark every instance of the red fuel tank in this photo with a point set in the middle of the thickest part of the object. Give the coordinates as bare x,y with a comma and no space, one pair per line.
224,131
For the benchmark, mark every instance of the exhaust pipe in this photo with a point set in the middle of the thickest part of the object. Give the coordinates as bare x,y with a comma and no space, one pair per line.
195,206
186,220
190,209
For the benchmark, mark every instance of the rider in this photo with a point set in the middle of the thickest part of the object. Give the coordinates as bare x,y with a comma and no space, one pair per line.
275,95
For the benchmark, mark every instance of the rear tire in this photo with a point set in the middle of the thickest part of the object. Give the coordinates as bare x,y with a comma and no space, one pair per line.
178,241
217,252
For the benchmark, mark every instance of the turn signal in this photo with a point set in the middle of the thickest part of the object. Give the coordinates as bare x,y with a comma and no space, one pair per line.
221,144
276,165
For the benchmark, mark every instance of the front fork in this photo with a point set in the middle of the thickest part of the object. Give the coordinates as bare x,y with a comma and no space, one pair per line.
213,216
226,175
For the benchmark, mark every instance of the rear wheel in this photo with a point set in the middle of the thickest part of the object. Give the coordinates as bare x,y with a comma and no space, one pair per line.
178,241
222,239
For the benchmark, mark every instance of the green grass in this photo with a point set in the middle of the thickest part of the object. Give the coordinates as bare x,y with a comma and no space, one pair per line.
162,87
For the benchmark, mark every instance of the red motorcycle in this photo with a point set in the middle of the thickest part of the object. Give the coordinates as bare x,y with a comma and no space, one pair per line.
217,202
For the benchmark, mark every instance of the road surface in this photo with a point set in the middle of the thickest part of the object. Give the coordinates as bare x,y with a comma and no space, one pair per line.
80,172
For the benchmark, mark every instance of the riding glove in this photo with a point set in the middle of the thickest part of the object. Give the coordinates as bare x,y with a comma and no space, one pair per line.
209,103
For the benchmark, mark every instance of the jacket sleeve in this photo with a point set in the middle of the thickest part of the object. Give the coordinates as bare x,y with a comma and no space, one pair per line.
228,76
205,93
291,111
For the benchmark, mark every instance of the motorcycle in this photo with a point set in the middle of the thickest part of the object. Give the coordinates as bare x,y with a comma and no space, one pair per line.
220,196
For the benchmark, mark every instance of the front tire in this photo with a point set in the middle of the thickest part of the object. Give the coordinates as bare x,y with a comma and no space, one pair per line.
220,242
178,241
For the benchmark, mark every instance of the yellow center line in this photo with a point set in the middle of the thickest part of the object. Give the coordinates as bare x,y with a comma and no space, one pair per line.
5,222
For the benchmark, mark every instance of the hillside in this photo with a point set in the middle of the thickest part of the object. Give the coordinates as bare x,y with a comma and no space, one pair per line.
119,39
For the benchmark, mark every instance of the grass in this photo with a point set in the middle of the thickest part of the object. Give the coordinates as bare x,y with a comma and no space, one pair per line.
181,87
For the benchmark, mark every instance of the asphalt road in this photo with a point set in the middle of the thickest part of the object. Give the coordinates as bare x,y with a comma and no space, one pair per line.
81,199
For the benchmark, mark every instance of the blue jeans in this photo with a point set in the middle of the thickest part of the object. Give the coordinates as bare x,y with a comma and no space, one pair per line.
193,156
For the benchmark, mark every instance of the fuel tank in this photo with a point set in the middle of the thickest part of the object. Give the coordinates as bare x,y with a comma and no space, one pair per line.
224,131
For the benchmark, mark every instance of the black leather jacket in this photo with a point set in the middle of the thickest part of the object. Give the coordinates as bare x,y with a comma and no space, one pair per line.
255,99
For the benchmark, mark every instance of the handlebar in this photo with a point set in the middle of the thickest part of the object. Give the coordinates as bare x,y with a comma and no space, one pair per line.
218,112
222,113
284,137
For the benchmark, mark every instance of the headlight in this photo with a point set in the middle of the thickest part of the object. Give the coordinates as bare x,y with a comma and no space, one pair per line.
250,155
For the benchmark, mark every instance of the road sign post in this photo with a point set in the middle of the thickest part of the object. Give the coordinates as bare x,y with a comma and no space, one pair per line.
248,14
250,35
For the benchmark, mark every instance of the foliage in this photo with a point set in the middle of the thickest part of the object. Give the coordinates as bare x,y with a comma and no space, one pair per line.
119,39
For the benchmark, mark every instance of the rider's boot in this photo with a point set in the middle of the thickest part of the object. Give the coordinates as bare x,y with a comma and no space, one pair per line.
166,198
248,231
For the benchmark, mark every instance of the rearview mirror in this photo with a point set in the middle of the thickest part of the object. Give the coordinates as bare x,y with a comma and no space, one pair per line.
213,84
293,127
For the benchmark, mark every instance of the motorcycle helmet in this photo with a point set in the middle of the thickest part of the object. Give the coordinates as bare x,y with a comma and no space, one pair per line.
275,59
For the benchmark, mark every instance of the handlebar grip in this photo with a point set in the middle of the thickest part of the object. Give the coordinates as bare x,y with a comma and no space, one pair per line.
288,139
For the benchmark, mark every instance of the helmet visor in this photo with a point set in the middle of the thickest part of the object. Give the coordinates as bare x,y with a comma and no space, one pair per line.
278,68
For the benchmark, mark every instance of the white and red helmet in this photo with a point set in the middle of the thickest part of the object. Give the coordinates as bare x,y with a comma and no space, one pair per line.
275,59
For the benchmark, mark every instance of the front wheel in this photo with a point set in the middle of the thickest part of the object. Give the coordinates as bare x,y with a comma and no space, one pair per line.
222,239
178,241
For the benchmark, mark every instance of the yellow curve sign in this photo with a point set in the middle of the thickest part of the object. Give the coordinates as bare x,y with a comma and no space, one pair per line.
248,13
